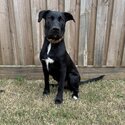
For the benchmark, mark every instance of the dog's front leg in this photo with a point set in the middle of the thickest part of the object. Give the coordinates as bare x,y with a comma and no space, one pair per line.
59,96
46,79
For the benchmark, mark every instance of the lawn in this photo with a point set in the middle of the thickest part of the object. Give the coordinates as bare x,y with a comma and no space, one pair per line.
100,103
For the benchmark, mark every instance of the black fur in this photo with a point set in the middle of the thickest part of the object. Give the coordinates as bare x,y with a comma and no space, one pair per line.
63,70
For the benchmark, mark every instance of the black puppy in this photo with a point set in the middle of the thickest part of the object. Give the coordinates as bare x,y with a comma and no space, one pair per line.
54,57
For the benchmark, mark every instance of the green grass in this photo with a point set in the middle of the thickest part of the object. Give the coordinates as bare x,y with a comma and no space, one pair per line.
100,103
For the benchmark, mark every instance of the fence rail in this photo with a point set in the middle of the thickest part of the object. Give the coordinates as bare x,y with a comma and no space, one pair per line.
97,38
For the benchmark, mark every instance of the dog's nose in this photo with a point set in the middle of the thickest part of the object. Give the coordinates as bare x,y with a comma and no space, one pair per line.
56,29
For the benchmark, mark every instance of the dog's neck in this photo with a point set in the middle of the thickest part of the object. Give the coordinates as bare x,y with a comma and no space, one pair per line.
55,41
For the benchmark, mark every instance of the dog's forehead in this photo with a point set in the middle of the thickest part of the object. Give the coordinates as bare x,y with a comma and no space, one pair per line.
55,14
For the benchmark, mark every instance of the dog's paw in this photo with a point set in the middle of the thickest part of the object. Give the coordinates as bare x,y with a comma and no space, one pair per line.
46,92
58,101
75,97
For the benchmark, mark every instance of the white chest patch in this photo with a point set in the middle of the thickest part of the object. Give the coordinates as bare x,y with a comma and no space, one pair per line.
48,60
49,48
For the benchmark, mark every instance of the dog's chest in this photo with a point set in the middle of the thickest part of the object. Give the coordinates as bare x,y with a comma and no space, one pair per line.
48,60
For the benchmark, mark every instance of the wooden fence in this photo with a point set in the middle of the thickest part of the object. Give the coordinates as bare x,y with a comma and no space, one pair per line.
97,38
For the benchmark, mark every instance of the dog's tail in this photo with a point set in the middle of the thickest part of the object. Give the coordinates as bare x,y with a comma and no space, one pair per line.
91,80
84,81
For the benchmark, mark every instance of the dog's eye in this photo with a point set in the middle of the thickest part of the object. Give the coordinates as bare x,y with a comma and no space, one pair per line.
60,18
50,18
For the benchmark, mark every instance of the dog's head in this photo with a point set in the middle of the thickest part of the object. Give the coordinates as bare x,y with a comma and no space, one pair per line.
54,24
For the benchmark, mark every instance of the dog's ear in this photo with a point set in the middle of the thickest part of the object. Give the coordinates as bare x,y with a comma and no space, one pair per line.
68,16
42,14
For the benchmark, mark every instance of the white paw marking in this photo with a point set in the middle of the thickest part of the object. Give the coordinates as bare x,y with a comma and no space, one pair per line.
74,97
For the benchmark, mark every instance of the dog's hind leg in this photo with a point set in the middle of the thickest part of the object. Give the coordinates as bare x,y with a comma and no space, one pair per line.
74,84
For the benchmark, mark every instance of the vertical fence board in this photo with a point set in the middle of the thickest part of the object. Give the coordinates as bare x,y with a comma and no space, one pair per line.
108,30
123,59
84,30
0,54
43,6
117,23
121,42
36,7
24,33
67,29
61,5
77,24
13,33
70,34
91,31
70,39
6,46
52,5
123,38
101,25
73,43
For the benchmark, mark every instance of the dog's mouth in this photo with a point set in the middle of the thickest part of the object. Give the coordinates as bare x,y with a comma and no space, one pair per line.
55,38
